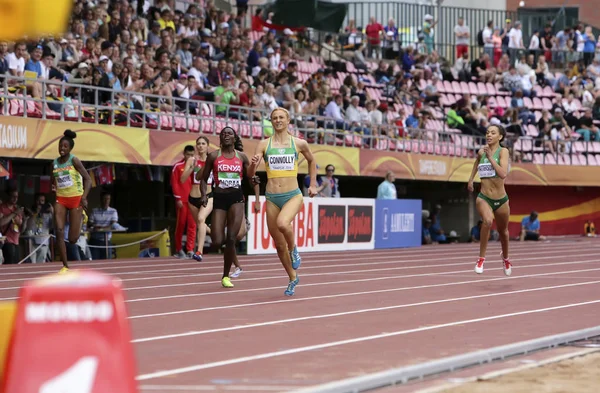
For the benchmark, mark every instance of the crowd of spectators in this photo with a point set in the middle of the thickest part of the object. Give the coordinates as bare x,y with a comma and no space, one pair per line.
183,58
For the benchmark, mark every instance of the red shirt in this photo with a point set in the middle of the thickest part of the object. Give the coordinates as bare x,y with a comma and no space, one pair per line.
181,191
372,31
228,172
8,230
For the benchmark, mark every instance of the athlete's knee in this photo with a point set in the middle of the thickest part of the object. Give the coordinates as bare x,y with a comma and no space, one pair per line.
73,239
217,241
60,232
230,240
487,222
282,225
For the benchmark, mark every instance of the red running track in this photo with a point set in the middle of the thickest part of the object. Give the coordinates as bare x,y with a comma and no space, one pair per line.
353,313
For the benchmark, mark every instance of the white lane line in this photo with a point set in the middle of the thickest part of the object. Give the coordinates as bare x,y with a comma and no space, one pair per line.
303,299
308,256
353,312
386,277
244,359
202,265
377,262
361,271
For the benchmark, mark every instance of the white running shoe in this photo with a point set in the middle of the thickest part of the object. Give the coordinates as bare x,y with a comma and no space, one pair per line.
479,265
506,265
237,272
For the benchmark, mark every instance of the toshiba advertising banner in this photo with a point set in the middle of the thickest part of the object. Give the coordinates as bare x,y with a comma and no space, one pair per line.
399,223
323,224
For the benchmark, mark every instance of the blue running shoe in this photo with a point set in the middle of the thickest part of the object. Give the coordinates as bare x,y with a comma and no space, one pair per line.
295,256
291,288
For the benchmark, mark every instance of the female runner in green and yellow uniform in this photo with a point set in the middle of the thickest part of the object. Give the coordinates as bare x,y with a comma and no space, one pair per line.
284,198
492,202
72,183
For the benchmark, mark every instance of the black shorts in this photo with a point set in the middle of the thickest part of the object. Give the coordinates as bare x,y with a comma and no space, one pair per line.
196,201
224,200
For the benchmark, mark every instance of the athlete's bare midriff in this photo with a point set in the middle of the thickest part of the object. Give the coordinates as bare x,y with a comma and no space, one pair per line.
195,192
493,188
281,185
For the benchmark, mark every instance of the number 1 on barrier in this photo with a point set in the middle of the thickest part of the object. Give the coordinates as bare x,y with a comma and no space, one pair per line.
79,378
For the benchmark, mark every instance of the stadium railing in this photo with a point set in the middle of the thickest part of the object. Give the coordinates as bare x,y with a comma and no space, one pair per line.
433,139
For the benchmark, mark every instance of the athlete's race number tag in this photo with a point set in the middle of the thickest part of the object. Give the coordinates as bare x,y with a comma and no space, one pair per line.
79,378
229,180
64,181
486,170
282,162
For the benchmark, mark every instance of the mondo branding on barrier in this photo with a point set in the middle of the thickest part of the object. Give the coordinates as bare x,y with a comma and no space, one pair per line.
399,223
71,335
323,224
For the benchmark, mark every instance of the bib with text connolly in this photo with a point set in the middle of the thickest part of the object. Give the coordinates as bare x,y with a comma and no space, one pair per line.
284,161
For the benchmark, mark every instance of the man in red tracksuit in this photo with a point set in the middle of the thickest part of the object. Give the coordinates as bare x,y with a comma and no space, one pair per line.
181,192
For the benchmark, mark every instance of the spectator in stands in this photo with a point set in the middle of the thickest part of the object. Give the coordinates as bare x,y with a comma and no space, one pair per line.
437,233
355,117
426,235
486,38
374,32
534,43
593,71
101,221
511,80
530,228
515,42
525,114
387,189
545,131
391,43
3,60
462,35
431,94
39,224
427,29
587,128
589,45
596,109
333,110
476,232
328,53
461,70
331,189
11,223
228,95
560,132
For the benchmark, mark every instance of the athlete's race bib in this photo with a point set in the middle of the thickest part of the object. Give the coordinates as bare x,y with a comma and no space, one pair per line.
486,170
64,181
230,180
282,162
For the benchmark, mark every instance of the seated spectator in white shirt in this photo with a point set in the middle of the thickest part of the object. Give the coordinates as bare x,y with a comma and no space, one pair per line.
333,110
355,118
100,222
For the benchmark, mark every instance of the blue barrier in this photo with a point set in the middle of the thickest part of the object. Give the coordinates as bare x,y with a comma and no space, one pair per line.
398,223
